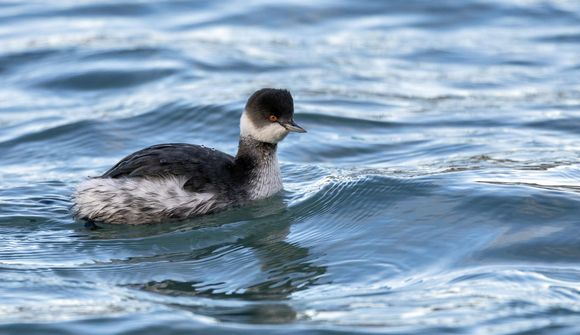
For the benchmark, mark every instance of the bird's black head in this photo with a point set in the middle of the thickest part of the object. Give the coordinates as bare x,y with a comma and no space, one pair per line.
271,101
269,116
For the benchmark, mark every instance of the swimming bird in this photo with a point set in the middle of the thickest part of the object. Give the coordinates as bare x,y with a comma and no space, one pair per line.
179,181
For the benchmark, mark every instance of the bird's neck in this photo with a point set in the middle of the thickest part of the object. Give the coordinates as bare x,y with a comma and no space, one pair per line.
258,163
251,148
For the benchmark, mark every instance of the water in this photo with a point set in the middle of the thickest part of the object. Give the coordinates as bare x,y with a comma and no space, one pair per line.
437,190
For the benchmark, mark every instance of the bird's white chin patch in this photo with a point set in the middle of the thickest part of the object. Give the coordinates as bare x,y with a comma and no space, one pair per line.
271,133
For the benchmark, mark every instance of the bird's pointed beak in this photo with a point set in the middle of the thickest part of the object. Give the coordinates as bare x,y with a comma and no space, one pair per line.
293,127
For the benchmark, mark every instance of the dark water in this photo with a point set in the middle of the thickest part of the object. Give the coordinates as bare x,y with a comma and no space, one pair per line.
437,190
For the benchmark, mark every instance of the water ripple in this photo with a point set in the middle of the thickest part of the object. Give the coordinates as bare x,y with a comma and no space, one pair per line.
436,190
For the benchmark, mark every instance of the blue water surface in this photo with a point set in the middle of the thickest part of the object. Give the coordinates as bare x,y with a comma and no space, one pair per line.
436,192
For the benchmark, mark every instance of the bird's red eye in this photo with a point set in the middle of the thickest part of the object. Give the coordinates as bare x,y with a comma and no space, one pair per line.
273,118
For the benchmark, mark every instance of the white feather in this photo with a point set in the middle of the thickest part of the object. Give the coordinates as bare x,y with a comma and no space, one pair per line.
139,200
271,133
267,180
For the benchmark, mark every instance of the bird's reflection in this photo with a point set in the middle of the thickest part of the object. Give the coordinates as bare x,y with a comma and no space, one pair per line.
287,267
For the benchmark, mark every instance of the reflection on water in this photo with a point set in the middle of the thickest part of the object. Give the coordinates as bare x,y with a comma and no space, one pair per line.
435,192
284,269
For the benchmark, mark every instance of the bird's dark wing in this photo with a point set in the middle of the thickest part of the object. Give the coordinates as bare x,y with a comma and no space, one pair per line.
203,167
